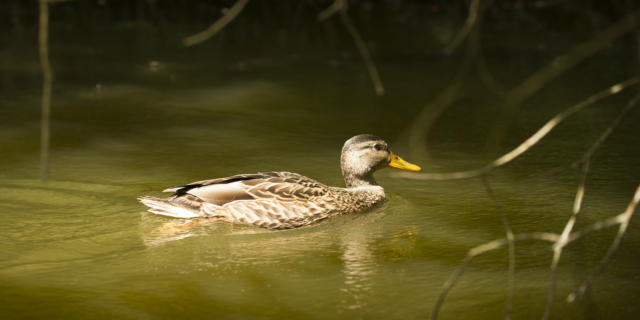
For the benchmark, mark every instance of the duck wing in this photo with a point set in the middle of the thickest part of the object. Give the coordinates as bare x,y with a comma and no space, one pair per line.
283,186
286,186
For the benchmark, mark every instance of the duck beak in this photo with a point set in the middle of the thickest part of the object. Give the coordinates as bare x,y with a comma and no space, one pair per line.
399,163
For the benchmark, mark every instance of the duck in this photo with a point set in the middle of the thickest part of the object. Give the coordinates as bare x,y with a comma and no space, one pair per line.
286,200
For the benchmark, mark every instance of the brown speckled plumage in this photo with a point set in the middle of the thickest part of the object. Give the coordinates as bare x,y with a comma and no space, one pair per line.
283,200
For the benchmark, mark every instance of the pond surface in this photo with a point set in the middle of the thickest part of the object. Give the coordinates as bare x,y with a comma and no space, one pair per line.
80,244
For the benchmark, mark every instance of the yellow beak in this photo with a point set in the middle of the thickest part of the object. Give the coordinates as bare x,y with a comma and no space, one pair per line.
399,163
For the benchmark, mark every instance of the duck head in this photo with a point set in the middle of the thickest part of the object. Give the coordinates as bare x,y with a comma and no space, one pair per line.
363,154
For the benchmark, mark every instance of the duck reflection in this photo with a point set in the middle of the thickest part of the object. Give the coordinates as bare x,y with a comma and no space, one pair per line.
358,268
237,244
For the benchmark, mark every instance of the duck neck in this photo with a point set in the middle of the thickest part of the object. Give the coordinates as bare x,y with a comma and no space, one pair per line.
353,181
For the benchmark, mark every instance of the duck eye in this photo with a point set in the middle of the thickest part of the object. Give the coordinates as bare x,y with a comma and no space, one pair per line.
378,146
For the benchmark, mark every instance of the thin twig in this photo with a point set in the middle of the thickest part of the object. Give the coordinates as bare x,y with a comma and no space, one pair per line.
596,226
511,248
564,240
336,6
228,16
341,7
450,283
527,144
632,104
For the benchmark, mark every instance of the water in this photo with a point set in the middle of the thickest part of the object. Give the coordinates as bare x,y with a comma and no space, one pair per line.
81,245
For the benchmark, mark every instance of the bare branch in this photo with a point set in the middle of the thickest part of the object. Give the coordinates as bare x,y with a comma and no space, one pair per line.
623,219
527,144
481,249
567,236
564,238
228,16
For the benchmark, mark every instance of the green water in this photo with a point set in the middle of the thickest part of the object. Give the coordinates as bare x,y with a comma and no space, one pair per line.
80,245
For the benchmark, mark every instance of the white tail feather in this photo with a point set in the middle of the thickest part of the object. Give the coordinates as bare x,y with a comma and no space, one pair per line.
166,208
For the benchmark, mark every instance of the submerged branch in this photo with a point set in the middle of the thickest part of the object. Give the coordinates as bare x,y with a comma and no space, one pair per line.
527,144
228,16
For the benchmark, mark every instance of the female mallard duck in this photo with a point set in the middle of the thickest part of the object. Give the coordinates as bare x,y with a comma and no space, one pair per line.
284,200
